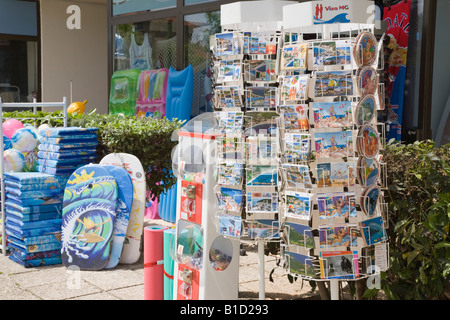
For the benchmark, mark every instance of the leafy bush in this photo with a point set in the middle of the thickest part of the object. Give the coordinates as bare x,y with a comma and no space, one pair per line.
418,196
147,138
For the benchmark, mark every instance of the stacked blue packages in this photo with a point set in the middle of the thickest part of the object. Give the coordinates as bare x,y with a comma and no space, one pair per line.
33,211
63,150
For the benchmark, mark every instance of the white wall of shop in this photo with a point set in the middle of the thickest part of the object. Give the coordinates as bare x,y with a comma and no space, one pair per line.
75,55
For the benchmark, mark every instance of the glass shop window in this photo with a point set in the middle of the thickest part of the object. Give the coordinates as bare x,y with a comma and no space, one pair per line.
145,45
18,70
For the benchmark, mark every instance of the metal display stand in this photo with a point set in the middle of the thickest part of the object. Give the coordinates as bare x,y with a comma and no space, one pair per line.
34,105
297,86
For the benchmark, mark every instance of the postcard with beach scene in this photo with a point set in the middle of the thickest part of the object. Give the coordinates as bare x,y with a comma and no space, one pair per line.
336,174
332,53
230,200
300,264
260,70
297,146
294,117
263,229
260,97
299,235
230,173
338,236
298,205
337,205
259,43
230,121
260,123
227,44
333,144
258,175
368,171
294,88
227,97
294,57
229,225
333,114
339,265
333,83
297,176
262,202
228,70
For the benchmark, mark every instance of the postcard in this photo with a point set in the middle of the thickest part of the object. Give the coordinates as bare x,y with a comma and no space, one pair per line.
261,150
259,43
368,141
336,174
260,97
365,111
294,88
368,171
338,236
230,148
297,176
230,173
263,229
260,123
294,117
332,53
298,205
333,83
230,121
333,144
373,230
337,205
367,81
228,70
294,57
229,225
262,202
297,146
299,235
260,70
228,97
227,44
332,114
230,200
258,175
300,264
369,200
339,265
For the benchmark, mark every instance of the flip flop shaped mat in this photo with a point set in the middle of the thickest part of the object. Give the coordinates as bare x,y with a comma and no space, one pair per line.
89,210
123,210
131,247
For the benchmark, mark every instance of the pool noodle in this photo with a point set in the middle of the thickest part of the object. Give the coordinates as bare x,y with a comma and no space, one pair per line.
153,263
168,264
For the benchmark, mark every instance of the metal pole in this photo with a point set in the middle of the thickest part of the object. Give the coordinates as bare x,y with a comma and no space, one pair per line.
261,270
334,289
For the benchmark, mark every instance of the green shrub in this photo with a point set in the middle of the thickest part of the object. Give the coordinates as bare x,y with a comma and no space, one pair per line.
147,138
418,196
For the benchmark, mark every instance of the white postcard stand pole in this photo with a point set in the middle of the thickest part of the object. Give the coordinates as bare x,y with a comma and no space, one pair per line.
261,271
210,278
33,105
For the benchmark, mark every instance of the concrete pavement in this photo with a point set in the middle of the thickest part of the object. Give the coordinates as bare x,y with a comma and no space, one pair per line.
126,282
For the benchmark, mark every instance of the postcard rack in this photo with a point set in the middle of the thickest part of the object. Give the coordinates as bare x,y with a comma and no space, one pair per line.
34,105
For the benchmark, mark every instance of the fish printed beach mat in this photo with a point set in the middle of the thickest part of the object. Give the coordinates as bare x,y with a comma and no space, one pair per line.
123,210
89,211
131,247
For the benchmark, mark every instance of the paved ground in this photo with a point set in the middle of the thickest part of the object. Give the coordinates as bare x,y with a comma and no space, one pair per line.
126,282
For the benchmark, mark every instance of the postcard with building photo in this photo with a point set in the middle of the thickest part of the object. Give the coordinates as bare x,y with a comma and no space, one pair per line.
298,205
259,175
230,173
294,117
230,200
229,225
262,202
227,44
229,70
230,121
230,148
297,146
260,97
263,229
297,176
260,70
228,97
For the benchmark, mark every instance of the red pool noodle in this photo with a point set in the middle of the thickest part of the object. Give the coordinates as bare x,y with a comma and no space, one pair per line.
154,263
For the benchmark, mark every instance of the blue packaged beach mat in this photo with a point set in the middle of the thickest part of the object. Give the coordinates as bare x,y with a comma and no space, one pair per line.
68,154
34,202
67,131
10,203
33,224
34,194
66,170
29,187
53,237
69,139
33,178
76,161
73,147
34,216
23,233
14,243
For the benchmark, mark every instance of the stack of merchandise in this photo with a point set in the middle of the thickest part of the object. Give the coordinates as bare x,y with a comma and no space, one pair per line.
63,150
33,209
